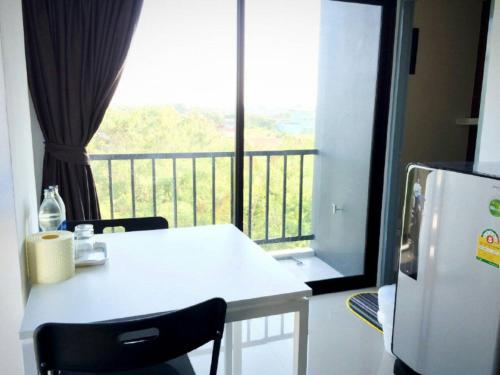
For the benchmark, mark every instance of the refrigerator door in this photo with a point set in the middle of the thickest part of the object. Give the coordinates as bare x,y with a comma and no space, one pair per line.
423,190
463,279
448,312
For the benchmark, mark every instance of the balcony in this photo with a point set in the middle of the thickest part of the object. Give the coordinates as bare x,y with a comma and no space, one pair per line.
196,188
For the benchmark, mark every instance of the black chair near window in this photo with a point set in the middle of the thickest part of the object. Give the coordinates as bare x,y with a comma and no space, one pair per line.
152,345
129,224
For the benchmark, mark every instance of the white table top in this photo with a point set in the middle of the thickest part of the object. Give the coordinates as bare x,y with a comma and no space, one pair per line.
164,270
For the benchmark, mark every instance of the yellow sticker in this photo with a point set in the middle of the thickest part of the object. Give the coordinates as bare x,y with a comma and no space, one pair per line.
488,251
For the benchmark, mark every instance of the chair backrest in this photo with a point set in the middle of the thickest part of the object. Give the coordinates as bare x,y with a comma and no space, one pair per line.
130,344
129,224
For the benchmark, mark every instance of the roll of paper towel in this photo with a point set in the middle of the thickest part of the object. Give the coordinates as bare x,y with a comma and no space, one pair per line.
50,257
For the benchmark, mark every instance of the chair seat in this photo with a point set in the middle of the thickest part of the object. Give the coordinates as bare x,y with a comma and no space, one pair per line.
178,366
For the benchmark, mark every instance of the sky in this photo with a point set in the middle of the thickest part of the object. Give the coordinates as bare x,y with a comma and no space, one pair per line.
184,52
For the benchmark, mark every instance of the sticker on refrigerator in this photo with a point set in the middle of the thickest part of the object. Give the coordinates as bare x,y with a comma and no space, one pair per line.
495,207
488,248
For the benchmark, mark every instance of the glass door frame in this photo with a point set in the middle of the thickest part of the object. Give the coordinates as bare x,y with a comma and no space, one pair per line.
379,141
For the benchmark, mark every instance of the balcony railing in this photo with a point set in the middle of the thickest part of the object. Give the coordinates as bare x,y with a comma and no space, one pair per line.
289,232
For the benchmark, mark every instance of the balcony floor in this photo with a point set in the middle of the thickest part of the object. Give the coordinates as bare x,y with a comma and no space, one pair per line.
311,268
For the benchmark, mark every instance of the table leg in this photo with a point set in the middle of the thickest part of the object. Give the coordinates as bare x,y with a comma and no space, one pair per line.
300,339
228,349
29,360
237,348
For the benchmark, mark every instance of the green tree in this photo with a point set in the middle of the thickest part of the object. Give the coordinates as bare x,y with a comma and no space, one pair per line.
168,129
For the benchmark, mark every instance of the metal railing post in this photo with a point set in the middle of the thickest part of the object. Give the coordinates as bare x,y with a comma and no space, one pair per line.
283,208
194,192
110,189
301,193
132,185
153,178
174,188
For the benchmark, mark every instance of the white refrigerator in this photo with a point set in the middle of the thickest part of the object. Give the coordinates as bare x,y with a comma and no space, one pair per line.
447,312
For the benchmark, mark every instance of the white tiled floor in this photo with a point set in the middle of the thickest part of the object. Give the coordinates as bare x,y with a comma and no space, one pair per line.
339,343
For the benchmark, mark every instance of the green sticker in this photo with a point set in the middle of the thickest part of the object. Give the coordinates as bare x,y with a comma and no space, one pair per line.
495,207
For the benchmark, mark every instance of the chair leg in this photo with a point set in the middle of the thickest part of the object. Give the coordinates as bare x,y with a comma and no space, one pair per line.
215,356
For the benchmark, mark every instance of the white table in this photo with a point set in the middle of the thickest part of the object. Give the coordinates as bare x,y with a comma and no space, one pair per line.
164,270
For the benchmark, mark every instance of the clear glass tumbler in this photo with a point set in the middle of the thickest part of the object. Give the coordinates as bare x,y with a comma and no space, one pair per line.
84,240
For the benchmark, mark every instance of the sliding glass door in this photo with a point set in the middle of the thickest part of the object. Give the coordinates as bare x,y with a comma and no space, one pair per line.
166,145
270,114
316,96
351,122
281,75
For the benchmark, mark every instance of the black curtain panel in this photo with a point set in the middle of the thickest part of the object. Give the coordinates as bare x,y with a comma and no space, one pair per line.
75,51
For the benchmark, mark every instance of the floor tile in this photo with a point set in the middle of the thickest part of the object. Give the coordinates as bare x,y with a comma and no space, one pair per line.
339,343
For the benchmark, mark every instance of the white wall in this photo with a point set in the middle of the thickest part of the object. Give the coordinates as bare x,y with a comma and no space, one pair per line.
38,151
488,143
18,205
11,298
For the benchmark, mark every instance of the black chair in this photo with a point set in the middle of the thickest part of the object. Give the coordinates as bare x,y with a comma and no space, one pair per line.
129,224
153,345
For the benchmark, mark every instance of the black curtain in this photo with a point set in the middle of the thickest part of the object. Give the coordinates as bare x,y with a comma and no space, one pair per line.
75,51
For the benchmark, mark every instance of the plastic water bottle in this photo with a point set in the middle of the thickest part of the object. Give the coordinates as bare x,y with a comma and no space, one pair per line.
62,206
49,217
